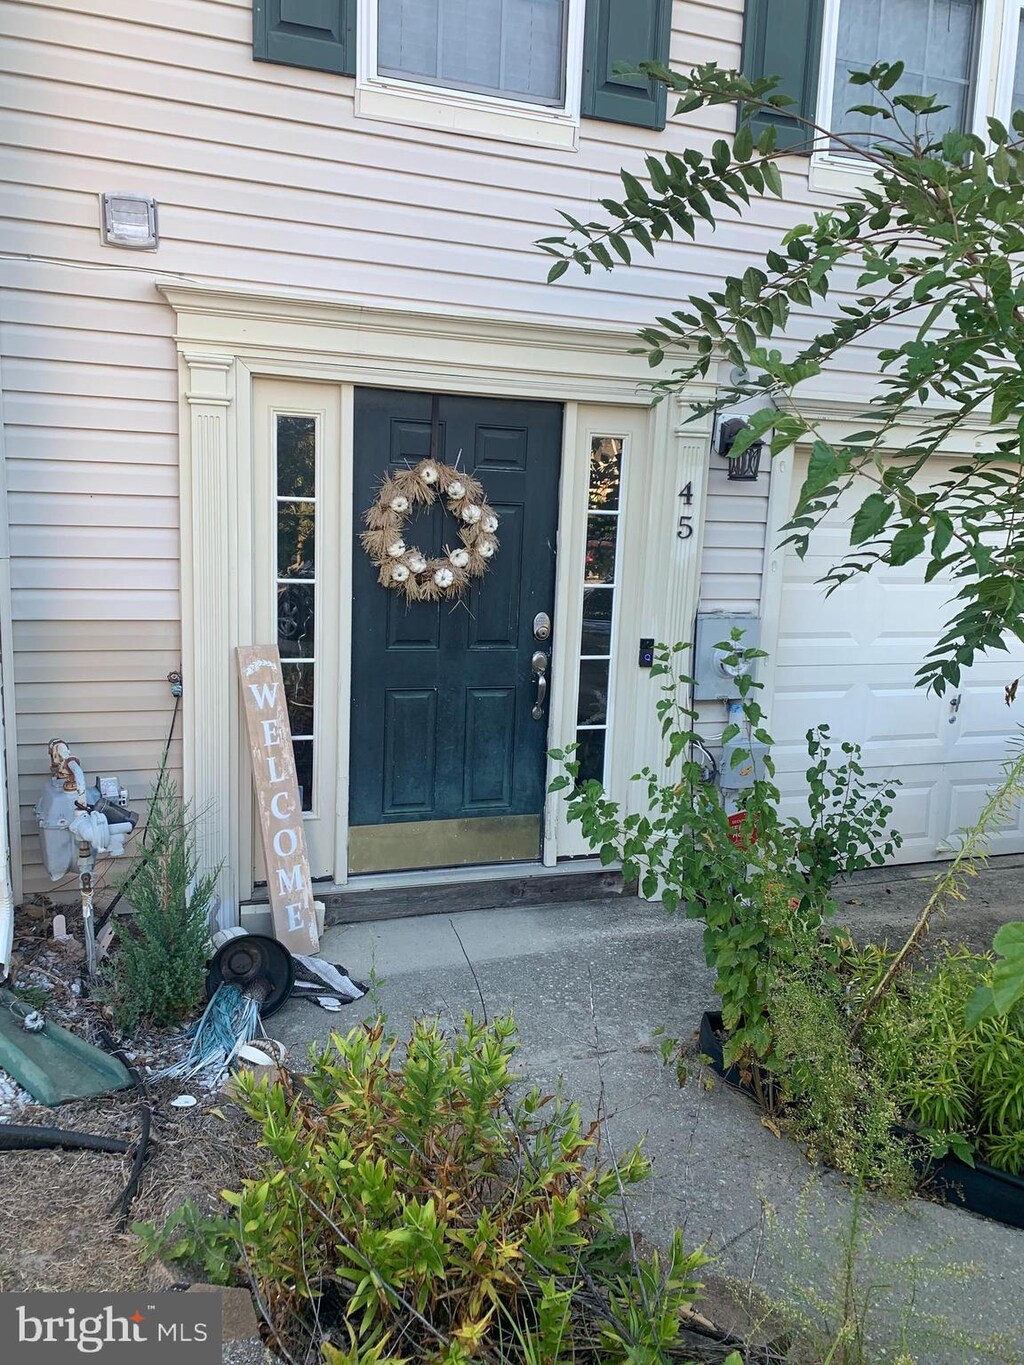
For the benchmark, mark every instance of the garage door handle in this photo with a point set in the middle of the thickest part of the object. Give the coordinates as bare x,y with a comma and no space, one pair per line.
539,664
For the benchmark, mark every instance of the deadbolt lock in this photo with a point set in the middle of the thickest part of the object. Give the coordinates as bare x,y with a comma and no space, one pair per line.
541,626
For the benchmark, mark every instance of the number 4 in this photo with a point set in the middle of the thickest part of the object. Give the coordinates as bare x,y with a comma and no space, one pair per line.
687,495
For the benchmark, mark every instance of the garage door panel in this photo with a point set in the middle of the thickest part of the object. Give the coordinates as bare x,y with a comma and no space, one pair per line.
850,660
915,810
894,725
967,797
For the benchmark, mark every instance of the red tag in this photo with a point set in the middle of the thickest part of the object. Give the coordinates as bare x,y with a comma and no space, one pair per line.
740,837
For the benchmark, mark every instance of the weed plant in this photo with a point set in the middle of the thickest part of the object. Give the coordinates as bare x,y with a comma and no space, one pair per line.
850,1299
409,1207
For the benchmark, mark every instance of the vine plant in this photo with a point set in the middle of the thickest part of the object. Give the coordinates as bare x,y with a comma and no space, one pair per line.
761,883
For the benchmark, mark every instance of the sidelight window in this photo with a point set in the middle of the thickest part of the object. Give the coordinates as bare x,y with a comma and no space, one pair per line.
295,449
601,570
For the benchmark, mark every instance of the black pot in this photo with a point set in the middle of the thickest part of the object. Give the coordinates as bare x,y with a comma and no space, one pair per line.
250,959
983,1189
711,1030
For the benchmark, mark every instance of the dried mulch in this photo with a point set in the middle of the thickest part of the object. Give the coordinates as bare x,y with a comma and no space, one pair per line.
60,1228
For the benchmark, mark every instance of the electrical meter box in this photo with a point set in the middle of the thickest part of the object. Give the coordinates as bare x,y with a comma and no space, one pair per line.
714,679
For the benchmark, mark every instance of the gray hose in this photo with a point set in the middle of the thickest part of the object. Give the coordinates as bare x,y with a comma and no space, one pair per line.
26,1137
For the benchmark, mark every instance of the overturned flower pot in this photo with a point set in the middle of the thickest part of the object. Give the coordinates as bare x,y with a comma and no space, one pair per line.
982,1189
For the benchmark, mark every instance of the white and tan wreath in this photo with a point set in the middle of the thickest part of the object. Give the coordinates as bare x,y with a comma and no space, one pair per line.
406,568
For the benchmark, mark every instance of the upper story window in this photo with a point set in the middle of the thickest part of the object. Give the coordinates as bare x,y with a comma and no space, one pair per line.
935,39
518,70
496,68
1011,76
970,53
509,49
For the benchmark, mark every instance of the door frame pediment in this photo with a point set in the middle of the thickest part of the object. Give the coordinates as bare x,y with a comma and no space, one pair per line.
228,338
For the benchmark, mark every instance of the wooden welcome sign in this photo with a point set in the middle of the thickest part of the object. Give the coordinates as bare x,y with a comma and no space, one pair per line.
277,797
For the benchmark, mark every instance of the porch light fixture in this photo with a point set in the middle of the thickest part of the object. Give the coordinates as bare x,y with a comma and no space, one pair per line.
744,467
129,220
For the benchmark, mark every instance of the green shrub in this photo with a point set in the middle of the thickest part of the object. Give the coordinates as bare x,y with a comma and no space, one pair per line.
155,972
409,1207
964,1084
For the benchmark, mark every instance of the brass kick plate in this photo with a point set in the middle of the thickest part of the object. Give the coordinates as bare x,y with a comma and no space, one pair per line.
443,843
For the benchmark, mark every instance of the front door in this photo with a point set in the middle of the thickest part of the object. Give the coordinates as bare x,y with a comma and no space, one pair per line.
449,724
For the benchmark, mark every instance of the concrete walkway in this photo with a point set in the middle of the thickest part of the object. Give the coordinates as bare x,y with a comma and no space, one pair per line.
589,984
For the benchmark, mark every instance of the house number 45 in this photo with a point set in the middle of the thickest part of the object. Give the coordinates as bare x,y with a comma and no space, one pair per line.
686,519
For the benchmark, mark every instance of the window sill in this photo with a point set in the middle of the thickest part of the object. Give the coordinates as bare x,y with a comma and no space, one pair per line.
472,118
831,174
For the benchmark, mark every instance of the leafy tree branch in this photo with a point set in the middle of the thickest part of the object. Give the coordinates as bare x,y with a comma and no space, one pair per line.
929,253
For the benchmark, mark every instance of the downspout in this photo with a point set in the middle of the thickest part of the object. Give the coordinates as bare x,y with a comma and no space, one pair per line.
6,888
6,885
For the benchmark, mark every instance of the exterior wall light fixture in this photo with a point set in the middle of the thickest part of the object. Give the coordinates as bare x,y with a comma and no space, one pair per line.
744,467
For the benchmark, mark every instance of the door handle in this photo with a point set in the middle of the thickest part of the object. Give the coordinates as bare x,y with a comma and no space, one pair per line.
539,664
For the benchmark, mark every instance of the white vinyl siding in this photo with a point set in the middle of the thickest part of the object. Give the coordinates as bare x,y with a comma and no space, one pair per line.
735,523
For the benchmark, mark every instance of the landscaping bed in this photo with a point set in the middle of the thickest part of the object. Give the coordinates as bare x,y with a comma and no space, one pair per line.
980,1188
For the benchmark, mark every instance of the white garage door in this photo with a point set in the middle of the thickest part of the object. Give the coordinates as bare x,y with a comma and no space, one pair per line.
850,661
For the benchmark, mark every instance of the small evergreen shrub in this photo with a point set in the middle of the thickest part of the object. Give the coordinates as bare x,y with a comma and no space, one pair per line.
154,974
408,1207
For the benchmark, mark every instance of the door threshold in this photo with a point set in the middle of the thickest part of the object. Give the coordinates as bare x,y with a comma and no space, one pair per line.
439,891
448,876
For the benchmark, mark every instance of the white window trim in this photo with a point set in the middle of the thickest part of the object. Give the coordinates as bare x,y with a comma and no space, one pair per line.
836,171
393,100
1011,18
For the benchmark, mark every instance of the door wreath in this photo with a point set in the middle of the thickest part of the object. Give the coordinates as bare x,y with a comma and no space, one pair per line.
406,568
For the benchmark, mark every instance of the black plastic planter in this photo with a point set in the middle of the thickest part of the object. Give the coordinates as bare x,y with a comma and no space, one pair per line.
711,1029
983,1189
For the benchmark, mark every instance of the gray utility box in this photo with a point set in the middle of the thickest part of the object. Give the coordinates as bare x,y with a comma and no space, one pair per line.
748,769
713,682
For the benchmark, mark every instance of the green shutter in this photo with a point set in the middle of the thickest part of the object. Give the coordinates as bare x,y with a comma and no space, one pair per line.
628,31
319,35
783,38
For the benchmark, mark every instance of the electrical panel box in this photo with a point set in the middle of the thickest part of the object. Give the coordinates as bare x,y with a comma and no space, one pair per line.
714,679
739,774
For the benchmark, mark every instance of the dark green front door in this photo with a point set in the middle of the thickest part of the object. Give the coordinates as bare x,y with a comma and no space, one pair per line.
447,757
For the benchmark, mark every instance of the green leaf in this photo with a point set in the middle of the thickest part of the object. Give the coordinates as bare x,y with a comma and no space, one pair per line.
980,1006
746,336
1008,973
891,76
772,178
870,518
822,468
907,544
557,270
633,188
743,145
753,283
